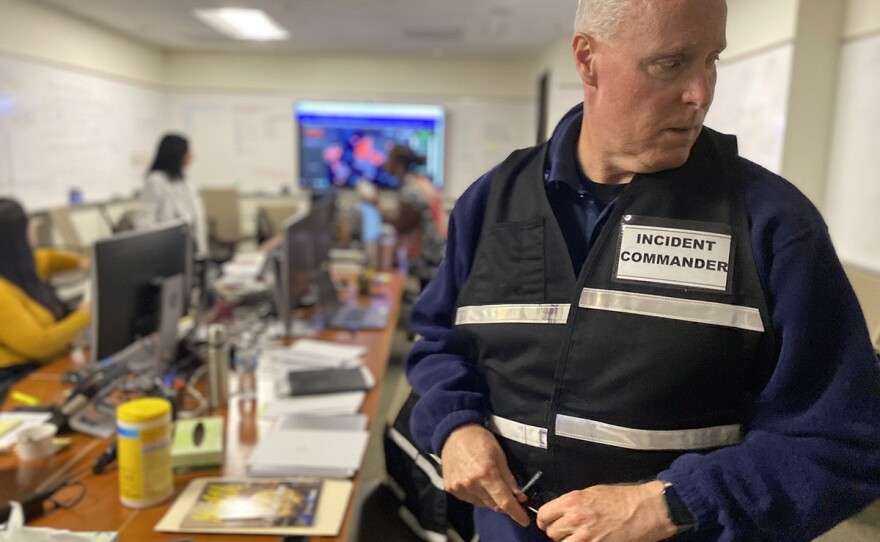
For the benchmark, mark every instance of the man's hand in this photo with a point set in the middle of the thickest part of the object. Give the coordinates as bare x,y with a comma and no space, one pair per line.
475,470
624,513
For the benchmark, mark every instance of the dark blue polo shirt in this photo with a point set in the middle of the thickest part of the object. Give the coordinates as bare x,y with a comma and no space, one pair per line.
580,205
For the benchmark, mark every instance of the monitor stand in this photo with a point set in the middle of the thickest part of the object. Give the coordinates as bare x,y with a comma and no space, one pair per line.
171,297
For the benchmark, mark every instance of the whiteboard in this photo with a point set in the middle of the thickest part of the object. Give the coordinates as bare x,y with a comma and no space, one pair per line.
852,201
62,129
751,101
248,140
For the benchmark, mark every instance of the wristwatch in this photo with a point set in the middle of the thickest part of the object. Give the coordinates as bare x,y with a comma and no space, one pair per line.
678,512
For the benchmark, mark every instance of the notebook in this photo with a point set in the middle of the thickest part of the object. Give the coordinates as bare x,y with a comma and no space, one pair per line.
329,380
309,452
338,315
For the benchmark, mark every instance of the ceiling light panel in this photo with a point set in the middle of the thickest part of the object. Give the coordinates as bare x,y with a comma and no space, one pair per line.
242,24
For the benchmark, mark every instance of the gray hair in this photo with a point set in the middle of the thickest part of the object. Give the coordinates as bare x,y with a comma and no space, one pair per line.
600,17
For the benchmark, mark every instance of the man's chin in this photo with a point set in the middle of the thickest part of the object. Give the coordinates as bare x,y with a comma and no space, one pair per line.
667,160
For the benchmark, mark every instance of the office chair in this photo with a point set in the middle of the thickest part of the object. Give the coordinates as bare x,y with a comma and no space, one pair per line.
223,217
42,223
63,226
270,218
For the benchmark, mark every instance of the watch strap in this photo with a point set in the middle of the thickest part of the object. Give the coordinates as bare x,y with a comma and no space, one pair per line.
677,510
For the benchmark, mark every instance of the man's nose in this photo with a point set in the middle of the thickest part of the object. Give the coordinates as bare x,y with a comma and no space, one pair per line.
700,87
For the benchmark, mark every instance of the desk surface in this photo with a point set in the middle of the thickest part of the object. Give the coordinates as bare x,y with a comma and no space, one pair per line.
100,509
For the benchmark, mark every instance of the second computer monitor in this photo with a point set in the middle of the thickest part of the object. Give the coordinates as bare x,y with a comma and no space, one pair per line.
322,221
130,271
294,267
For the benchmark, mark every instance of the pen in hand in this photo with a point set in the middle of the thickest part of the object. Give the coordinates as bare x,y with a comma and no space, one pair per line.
528,485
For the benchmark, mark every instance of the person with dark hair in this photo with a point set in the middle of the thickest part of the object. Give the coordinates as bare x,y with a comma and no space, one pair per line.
35,326
420,217
167,196
651,332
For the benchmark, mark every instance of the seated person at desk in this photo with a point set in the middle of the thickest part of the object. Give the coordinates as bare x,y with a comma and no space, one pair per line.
34,324
420,218
363,224
167,195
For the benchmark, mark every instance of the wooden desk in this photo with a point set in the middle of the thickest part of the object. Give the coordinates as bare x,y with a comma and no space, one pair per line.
100,508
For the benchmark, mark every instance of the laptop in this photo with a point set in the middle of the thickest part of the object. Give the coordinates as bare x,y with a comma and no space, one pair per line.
338,315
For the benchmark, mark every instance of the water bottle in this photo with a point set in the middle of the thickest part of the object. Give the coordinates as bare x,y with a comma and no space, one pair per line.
218,366
246,356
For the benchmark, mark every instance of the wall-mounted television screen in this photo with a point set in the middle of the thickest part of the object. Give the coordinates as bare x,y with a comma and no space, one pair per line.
341,143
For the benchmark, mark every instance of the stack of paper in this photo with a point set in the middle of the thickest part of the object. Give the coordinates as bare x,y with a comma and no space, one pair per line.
313,354
328,403
244,267
310,355
311,446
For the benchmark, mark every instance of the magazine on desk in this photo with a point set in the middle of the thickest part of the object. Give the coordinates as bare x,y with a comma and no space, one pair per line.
290,506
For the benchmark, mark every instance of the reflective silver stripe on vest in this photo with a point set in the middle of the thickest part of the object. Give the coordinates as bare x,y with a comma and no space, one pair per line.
512,314
641,439
421,461
703,312
529,435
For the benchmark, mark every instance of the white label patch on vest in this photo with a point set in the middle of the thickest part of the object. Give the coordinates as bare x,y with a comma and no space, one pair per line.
673,256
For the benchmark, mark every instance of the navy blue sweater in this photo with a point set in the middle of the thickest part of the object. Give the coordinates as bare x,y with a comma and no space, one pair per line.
811,452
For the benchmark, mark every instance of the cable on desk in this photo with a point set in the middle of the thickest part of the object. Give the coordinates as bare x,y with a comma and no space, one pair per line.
193,392
33,505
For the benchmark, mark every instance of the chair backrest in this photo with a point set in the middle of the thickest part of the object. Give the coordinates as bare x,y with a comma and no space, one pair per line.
91,223
222,213
41,221
63,226
270,217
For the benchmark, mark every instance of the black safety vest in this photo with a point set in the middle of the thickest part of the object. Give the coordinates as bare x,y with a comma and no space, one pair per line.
658,348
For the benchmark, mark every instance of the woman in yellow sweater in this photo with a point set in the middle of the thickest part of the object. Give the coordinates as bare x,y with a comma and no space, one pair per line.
35,326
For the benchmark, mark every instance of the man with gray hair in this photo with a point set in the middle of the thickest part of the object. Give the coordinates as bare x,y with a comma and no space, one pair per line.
636,334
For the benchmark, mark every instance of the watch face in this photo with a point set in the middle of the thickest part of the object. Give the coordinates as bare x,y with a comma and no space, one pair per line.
678,511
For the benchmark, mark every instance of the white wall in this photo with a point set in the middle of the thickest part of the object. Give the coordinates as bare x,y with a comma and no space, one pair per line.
861,17
365,75
31,30
755,25
852,197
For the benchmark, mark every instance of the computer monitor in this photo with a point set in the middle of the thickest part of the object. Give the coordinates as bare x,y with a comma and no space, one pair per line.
341,143
322,220
139,283
293,267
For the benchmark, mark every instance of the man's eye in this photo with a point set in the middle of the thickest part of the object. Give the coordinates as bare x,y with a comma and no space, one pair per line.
668,67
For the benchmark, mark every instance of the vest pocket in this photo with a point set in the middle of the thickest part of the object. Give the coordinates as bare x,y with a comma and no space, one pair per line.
510,266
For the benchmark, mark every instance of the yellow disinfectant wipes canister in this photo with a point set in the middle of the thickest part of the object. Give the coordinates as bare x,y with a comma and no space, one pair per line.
144,452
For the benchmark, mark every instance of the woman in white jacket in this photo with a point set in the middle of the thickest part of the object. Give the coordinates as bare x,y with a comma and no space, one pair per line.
167,196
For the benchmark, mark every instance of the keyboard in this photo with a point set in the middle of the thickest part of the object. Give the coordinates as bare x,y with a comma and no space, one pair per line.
358,317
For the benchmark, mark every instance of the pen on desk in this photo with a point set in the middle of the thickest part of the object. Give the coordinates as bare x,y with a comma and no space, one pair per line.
25,398
106,458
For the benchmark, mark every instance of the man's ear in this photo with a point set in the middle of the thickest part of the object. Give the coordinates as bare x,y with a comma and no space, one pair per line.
584,49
